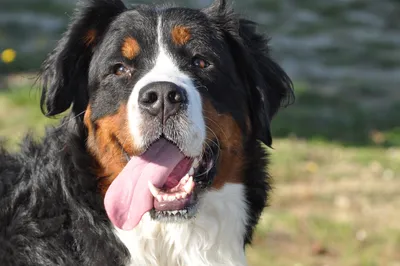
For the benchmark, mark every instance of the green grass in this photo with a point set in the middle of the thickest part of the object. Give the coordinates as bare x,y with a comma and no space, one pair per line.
332,205
336,197
19,113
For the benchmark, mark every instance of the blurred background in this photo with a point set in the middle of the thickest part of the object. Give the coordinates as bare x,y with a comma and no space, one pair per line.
336,157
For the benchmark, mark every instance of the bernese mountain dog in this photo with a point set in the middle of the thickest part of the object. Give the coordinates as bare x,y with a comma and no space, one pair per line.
159,157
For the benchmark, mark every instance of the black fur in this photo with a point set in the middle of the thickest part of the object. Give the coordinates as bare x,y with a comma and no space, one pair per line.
51,211
65,72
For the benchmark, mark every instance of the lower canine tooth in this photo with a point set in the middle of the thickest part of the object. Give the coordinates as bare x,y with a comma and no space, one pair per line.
186,177
188,187
155,191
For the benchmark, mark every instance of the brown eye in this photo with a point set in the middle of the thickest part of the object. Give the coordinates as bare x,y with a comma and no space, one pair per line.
120,69
200,63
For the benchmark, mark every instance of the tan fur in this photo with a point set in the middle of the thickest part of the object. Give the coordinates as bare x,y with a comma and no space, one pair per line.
180,35
90,37
231,159
130,48
107,138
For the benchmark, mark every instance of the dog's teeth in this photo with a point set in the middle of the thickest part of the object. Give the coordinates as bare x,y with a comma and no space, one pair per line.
171,198
165,197
159,198
184,179
191,172
196,163
183,195
174,212
188,187
155,191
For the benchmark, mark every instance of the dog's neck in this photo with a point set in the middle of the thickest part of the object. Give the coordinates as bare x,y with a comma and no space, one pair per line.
214,237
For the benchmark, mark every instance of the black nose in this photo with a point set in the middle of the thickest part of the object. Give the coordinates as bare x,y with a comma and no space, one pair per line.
162,99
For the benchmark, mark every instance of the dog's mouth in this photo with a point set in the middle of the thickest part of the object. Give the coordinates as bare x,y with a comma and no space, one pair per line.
163,181
178,198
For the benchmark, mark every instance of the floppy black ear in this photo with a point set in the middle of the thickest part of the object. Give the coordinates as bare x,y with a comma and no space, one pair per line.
269,87
64,74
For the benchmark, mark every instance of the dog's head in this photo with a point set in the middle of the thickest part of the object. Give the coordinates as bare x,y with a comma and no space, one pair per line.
170,97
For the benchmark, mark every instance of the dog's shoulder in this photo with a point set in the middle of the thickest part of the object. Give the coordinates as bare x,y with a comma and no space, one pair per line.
51,213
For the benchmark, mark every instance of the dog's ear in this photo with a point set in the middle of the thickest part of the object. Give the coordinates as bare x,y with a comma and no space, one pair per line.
217,7
269,87
64,74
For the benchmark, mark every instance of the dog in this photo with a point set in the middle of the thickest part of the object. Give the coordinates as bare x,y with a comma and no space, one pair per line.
161,157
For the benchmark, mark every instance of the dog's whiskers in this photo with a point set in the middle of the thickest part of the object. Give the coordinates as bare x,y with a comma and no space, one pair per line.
219,126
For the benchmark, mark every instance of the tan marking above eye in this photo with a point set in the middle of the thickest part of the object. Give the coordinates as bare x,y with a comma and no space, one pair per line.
180,35
130,48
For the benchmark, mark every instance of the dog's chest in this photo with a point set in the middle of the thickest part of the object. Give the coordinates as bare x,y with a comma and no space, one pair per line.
214,237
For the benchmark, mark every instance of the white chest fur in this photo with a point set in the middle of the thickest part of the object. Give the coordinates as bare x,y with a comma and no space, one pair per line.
214,237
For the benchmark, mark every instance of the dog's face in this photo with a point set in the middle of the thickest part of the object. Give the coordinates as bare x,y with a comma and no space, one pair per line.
171,97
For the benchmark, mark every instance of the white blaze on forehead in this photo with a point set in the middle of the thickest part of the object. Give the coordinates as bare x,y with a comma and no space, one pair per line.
166,70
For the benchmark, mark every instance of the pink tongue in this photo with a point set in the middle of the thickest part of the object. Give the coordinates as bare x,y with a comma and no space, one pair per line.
128,196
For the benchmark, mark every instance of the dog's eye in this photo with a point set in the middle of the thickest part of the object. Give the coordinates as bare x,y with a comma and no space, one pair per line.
200,62
120,69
